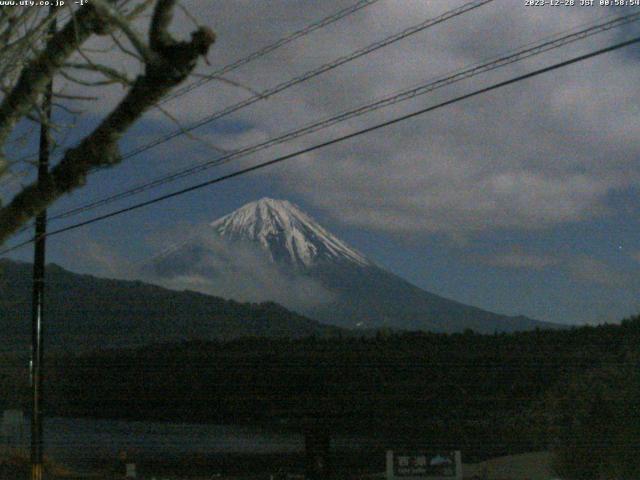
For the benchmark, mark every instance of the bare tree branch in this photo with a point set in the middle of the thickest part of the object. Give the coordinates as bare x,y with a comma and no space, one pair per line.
106,10
159,36
35,77
171,63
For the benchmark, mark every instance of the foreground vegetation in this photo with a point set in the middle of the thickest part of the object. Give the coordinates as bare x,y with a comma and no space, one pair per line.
573,391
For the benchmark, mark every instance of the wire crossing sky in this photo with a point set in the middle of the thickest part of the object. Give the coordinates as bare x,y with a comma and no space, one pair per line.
460,75
330,142
521,200
271,48
312,74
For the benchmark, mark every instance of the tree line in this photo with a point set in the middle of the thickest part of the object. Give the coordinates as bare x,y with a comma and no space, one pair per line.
572,391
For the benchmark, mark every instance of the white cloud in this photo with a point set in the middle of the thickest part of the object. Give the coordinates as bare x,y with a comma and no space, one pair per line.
239,271
541,153
535,155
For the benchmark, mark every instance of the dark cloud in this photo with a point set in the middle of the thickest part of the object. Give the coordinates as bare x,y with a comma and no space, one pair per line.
586,269
542,153
538,154
519,258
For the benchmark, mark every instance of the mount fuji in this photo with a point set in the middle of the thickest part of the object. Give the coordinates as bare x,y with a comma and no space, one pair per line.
274,249
287,234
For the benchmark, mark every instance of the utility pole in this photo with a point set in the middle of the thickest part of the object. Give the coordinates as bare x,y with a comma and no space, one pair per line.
37,347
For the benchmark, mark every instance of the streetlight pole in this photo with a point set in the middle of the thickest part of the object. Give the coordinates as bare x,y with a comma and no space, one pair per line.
37,347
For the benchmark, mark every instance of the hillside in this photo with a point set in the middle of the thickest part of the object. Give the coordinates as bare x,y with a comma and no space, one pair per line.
85,312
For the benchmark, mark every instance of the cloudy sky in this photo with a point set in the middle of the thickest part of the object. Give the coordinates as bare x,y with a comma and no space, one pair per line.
524,200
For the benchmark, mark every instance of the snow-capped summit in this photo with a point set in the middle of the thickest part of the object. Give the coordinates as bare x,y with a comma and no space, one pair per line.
286,233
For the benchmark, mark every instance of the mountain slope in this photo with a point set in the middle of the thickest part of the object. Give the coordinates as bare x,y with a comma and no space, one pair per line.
86,312
288,235
378,298
362,294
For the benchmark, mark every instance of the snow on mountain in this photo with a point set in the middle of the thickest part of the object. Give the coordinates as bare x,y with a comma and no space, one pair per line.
286,233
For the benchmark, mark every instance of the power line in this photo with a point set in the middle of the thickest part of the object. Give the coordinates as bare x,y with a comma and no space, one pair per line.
334,17
334,141
270,48
455,77
311,74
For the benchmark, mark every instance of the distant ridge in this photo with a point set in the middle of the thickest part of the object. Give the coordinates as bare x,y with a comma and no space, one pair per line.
84,312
